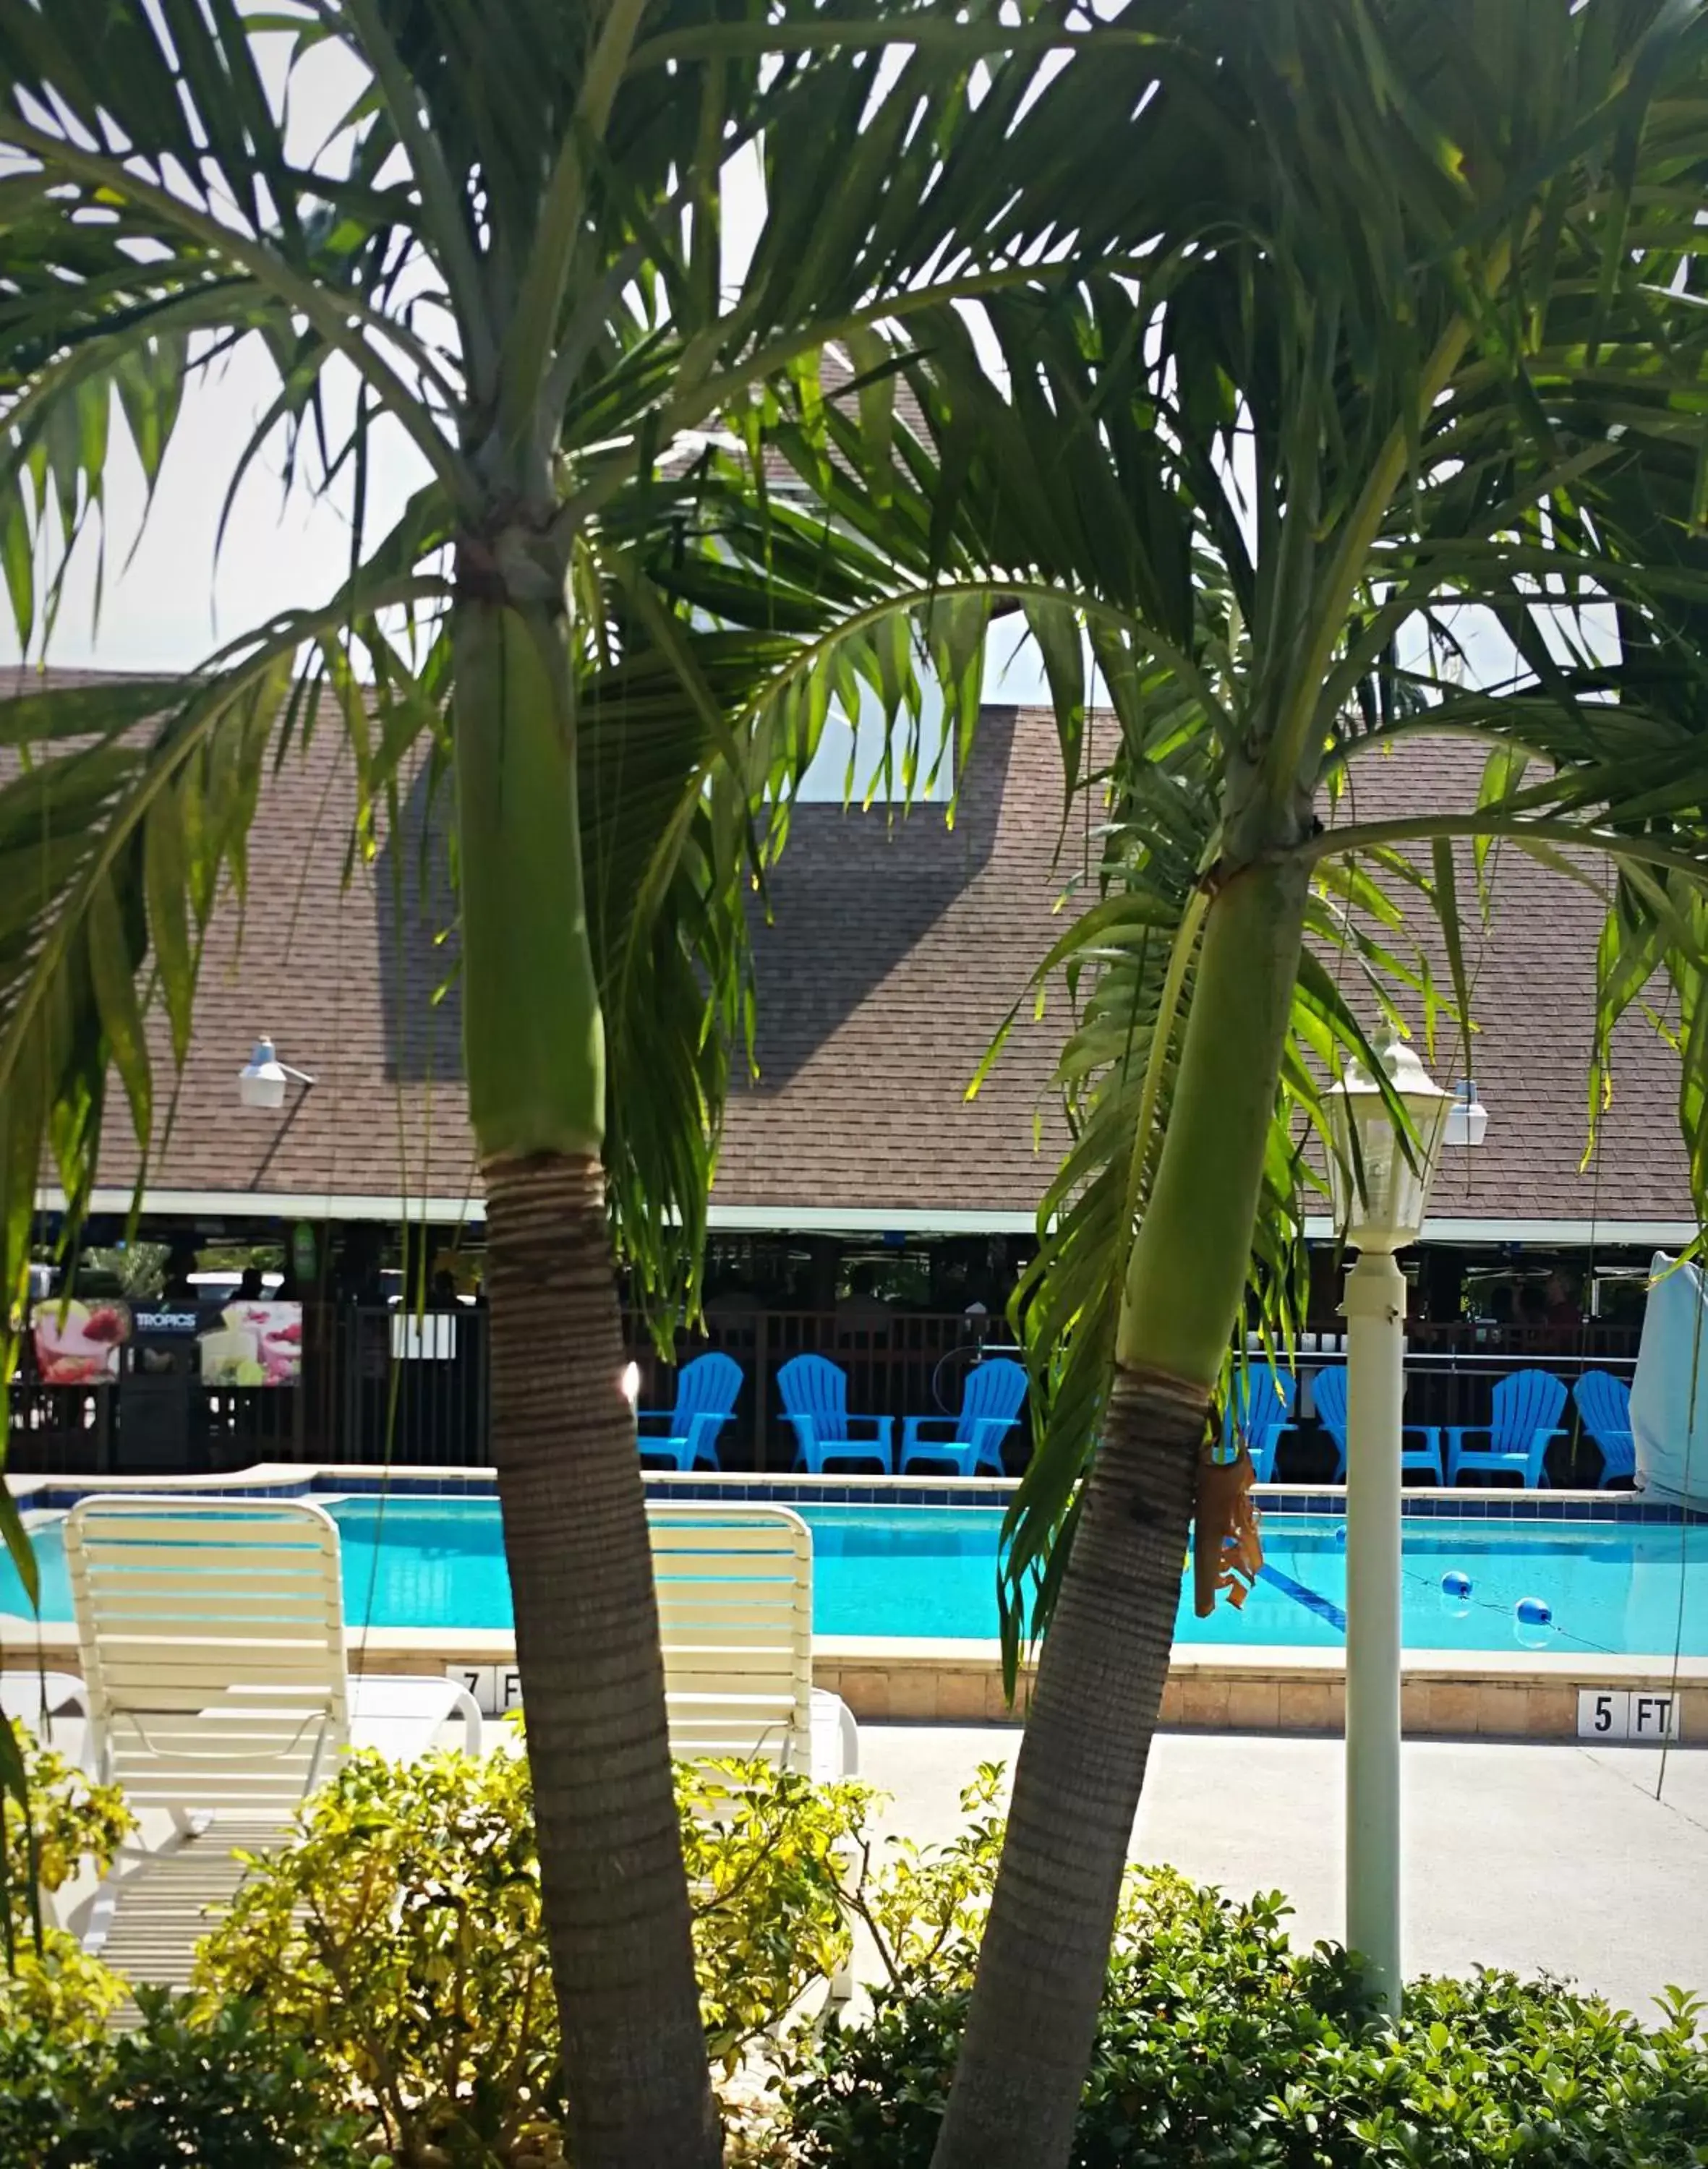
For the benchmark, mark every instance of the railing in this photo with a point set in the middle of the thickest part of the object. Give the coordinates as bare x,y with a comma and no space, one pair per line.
380,1385
383,1385
906,1363
53,1431
1589,1342
1450,1387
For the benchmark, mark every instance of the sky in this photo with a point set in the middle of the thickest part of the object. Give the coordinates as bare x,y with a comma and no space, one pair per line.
167,600
168,603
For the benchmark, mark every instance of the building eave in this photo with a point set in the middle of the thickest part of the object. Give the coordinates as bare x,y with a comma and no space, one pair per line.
854,1221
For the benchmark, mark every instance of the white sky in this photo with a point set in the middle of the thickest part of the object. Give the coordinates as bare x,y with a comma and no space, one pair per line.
174,601
168,604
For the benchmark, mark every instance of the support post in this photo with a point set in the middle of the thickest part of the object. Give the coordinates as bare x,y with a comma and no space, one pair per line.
1376,1311
761,1388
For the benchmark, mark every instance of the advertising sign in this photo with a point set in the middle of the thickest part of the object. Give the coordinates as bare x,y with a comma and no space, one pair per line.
253,1343
77,1343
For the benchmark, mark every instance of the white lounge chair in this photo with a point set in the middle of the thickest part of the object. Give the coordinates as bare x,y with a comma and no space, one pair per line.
218,1690
38,1697
735,1621
735,1618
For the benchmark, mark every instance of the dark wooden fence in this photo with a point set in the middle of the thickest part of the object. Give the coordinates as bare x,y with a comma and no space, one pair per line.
909,1363
379,1385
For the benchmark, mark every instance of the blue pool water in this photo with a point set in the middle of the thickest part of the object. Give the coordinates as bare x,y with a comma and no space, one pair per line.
929,1571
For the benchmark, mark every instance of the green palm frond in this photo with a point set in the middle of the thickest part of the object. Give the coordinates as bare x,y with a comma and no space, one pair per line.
123,819
1398,338
519,263
1127,962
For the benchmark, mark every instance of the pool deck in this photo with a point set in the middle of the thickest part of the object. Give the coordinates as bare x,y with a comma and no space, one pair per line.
1212,1687
1541,1857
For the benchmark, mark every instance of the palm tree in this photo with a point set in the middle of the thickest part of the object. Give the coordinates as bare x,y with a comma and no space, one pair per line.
1409,327
507,254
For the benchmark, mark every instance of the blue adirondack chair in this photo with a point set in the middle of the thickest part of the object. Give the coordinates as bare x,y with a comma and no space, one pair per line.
1604,1402
1257,1413
990,1401
1328,1390
1527,1409
815,1402
706,1394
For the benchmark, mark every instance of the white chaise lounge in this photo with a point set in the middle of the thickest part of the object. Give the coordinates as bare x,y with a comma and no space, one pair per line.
735,1618
217,1686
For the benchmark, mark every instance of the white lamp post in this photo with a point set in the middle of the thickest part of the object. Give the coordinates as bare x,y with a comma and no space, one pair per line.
262,1079
1380,1185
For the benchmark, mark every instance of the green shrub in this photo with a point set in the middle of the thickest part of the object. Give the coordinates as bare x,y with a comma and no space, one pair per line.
768,1854
45,2069
71,1822
399,1938
379,1993
55,1987
218,2089
1219,2043
46,1979
213,2088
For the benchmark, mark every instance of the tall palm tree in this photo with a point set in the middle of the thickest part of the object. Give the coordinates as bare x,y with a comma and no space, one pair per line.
510,255
1410,322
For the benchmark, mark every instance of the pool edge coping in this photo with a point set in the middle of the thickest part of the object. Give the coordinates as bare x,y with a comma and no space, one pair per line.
57,1638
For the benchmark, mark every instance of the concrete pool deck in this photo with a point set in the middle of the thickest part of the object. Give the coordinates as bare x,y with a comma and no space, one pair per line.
1538,1856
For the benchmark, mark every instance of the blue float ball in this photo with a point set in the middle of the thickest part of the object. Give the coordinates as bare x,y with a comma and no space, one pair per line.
1534,1611
1340,1534
1455,1583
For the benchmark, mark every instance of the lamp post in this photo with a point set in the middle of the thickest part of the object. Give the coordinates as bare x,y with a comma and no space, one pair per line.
1380,1187
262,1079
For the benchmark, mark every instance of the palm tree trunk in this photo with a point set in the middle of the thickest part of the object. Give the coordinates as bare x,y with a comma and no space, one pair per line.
615,1896
1087,1741
1081,1764
613,1889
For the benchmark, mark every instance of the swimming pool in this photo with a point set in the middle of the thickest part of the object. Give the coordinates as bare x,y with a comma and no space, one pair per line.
927,1572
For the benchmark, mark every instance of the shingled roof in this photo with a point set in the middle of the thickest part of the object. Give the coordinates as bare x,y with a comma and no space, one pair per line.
897,945
1531,969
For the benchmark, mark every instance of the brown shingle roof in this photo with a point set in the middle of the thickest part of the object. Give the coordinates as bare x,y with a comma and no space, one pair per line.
897,947
1532,975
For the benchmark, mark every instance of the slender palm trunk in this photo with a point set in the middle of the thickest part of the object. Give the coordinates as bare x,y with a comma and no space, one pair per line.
613,1888
1100,1679
587,1645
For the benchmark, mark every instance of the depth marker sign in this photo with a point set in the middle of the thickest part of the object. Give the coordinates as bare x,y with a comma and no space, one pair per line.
1626,1713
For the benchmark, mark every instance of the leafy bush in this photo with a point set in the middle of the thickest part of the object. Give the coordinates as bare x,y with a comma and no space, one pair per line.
768,1855
70,1821
1219,2044
399,1937
55,1987
379,1995
46,1979
216,2089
